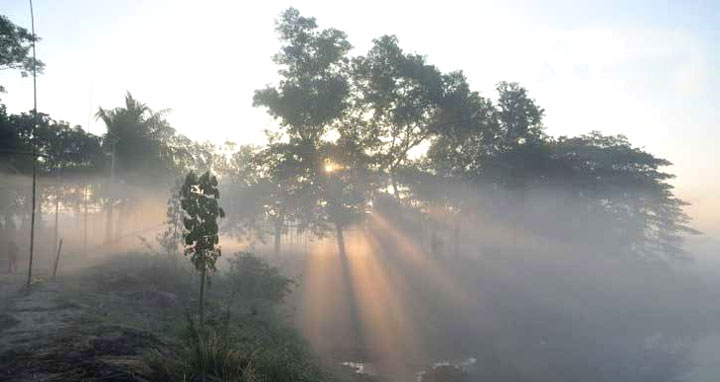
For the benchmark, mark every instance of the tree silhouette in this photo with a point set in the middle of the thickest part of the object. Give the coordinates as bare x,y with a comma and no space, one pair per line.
137,141
402,93
311,98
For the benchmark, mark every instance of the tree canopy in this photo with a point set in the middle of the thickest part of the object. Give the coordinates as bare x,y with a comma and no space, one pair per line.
15,45
358,131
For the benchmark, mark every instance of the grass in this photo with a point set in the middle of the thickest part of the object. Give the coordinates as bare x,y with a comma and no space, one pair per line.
246,336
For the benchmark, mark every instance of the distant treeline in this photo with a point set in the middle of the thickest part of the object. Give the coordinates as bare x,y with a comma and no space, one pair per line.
354,133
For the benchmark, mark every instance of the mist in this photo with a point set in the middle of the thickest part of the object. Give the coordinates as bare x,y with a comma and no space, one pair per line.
508,294
395,225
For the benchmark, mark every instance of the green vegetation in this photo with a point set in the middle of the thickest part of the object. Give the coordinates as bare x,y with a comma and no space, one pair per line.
244,337
199,200
346,130
15,44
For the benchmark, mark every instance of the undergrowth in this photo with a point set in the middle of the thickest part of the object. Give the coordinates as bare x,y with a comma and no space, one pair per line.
244,338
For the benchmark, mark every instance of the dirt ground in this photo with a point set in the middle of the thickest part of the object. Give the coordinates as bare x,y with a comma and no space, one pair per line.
98,321
57,331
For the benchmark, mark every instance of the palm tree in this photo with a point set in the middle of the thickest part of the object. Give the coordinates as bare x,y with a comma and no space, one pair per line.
137,138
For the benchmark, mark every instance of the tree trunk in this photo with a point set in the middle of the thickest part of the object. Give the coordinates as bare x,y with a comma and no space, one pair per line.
38,211
121,217
340,240
278,236
55,230
109,222
393,180
276,247
435,243
202,294
32,221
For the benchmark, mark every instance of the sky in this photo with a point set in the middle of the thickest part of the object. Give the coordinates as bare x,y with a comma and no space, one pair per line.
645,69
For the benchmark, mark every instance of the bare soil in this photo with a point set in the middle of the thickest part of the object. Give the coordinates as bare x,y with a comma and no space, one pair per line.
52,333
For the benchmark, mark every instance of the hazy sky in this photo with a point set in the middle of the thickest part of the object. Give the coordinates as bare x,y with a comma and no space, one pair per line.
646,69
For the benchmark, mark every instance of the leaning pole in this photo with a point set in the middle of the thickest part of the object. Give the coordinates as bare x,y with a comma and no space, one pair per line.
34,148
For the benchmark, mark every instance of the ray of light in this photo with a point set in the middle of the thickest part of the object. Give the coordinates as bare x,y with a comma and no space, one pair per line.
386,321
372,298
324,306
412,255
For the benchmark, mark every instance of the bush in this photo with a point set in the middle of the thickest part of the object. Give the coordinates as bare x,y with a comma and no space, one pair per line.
252,279
215,356
206,355
241,341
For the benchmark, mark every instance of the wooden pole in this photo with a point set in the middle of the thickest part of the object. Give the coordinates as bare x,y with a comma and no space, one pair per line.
85,213
57,207
111,196
34,144
57,258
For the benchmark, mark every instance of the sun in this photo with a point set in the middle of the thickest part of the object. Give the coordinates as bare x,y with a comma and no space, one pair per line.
331,167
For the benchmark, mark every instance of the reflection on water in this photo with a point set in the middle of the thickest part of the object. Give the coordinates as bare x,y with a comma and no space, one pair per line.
365,368
369,369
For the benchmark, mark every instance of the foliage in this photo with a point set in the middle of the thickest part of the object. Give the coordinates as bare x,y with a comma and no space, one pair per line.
224,354
310,100
314,86
171,238
351,129
71,149
232,344
403,94
520,118
252,279
622,189
199,199
483,141
604,189
15,45
213,356
139,137
68,153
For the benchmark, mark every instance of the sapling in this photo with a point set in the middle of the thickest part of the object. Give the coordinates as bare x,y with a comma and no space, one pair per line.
199,199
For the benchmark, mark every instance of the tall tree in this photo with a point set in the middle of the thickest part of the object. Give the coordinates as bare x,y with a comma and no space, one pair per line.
402,93
140,137
627,203
69,154
137,139
310,100
604,189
